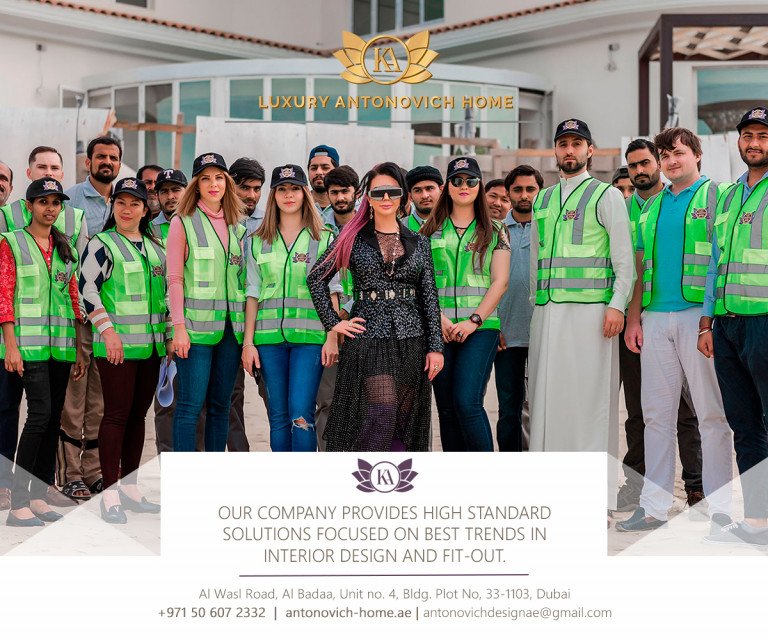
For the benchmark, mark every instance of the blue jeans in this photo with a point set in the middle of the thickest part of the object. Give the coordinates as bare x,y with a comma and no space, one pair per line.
460,389
206,377
11,388
510,387
741,364
292,375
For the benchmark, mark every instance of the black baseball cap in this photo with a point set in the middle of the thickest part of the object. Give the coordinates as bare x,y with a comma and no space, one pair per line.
171,175
573,127
464,165
421,174
45,187
131,186
758,115
621,172
288,174
208,160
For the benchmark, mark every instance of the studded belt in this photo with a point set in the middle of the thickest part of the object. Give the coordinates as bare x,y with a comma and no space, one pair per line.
396,293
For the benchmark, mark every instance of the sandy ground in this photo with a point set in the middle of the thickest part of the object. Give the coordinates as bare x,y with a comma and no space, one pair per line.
82,532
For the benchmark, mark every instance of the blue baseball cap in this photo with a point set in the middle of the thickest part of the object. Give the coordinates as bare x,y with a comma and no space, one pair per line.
324,150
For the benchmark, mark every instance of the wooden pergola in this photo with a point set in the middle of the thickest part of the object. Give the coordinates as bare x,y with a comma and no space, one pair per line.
695,36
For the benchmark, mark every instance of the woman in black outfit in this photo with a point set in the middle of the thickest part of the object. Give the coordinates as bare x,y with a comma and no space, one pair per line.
394,344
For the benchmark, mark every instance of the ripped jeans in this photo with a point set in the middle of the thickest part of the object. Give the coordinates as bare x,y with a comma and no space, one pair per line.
292,375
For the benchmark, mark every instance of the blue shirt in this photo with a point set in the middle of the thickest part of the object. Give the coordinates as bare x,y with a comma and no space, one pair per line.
709,294
515,308
84,196
667,294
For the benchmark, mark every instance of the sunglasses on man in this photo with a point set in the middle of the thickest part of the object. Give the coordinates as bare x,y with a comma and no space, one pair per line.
458,181
378,193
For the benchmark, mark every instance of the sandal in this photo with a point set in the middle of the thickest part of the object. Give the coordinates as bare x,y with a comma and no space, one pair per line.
97,486
76,490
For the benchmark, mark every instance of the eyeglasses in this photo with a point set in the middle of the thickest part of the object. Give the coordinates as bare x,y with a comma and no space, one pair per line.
379,192
457,181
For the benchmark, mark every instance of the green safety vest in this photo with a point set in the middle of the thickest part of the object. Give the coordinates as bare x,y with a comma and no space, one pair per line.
574,263
461,282
742,236
134,297
413,223
160,230
697,243
214,281
634,209
286,312
44,319
17,216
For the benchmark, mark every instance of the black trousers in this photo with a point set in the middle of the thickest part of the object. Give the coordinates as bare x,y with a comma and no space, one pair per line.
45,384
688,438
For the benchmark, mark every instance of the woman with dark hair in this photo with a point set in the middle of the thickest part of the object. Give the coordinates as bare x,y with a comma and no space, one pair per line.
122,283
284,336
394,347
206,291
471,257
39,310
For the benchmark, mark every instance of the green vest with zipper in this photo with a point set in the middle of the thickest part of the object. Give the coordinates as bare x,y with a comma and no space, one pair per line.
461,281
134,297
160,229
742,237
286,312
17,216
214,281
574,262
413,223
697,242
44,319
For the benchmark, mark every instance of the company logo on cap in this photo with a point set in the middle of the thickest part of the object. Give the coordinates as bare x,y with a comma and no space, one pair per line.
461,164
130,184
758,114
570,125
208,159
50,185
288,172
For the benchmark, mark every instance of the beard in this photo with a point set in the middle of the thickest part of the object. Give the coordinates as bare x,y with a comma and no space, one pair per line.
571,166
523,207
343,208
423,211
104,178
644,182
756,163
318,185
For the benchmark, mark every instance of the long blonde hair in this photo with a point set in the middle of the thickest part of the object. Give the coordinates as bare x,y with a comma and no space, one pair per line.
232,206
310,218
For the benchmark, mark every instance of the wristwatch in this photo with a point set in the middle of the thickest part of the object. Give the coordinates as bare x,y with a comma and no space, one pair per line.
476,319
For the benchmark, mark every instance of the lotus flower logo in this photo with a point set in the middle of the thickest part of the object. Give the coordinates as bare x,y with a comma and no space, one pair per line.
386,59
384,477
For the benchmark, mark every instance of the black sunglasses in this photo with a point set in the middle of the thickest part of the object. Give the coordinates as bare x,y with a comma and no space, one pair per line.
458,181
378,193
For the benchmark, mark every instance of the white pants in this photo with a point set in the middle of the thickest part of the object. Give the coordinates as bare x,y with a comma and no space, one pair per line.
669,357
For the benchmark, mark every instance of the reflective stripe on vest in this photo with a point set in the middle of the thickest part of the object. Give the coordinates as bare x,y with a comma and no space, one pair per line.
44,322
697,241
214,281
742,237
134,297
461,281
69,220
286,312
574,262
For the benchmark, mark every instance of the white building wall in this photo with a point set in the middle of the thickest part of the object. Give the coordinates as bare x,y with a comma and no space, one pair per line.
36,75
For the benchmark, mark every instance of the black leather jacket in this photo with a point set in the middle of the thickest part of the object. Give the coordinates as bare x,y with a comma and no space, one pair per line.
385,318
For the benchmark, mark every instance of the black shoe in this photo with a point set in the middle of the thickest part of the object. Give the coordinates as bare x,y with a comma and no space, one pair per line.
113,515
143,506
49,516
34,521
640,522
736,534
719,522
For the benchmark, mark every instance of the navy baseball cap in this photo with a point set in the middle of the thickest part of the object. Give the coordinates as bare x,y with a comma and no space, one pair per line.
573,127
171,175
132,186
324,150
45,187
288,174
464,165
758,115
208,160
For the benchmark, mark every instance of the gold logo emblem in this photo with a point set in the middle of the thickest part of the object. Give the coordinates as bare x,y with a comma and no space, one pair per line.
208,159
50,185
287,172
758,114
386,59
570,124
130,183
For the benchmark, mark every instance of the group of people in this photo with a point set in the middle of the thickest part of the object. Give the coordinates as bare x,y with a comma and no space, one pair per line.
349,300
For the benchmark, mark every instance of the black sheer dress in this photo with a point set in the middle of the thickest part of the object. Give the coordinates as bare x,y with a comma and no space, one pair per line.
382,399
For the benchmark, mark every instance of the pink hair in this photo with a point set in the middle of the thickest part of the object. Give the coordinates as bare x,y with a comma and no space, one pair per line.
342,250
